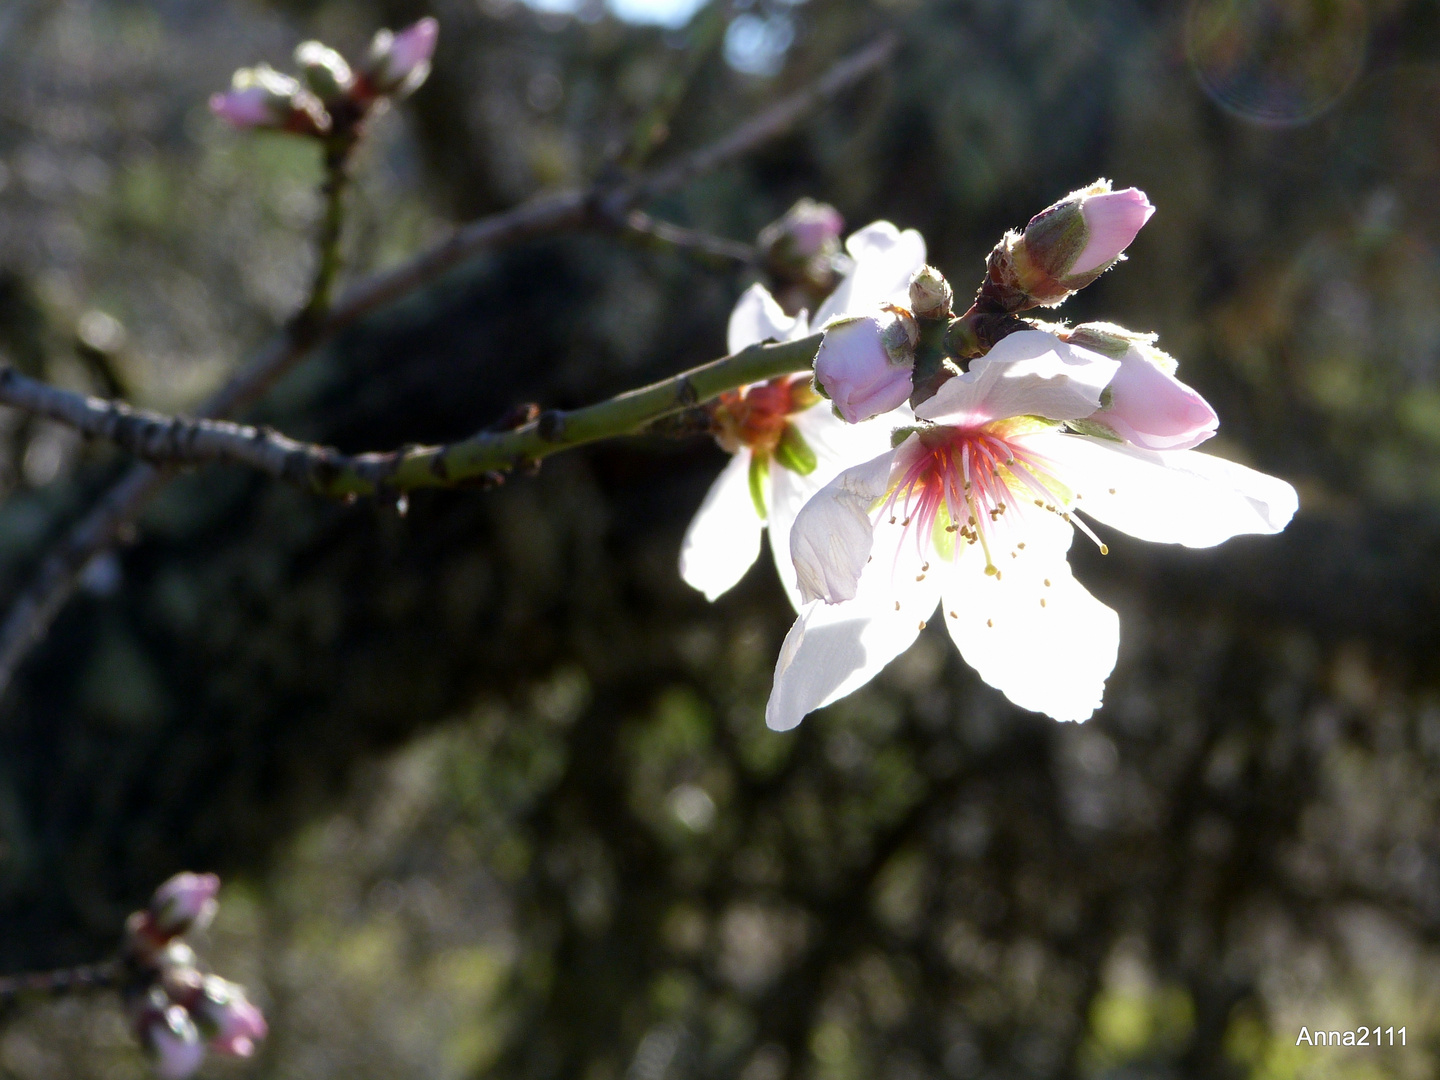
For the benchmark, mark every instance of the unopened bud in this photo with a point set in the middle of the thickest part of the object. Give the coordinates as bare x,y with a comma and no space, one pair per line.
399,62
930,294
1145,405
808,229
864,365
231,1022
184,903
1065,247
169,1033
1105,338
325,71
262,98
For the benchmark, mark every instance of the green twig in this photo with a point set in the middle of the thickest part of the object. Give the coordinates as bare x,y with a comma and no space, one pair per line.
480,459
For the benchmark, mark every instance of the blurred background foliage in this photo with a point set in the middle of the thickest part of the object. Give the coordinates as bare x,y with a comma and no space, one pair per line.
491,788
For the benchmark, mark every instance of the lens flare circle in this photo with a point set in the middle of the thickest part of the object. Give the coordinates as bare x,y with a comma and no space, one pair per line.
1277,63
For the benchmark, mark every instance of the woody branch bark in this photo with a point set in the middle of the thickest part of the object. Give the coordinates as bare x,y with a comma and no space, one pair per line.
180,441
108,520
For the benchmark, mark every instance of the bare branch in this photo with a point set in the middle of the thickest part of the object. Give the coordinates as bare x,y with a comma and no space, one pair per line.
35,608
173,440
58,983
706,245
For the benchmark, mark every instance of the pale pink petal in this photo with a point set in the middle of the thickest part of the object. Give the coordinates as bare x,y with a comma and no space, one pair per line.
1150,408
1029,373
757,317
885,260
834,649
1170,496
837,445
1031,631
724,536
1112,220
830,542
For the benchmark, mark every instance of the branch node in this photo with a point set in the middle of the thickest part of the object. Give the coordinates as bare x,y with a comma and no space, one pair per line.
551,425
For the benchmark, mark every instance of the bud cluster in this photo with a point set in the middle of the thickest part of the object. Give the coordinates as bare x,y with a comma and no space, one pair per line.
177,1010
870,364
330,98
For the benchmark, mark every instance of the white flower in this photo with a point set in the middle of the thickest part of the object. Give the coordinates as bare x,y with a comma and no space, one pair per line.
787,444
976,509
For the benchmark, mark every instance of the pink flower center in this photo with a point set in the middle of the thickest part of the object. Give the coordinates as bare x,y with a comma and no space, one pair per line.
960,482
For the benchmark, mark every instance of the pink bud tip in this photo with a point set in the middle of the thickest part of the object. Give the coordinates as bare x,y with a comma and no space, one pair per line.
1152,409
857,373
248,107
172,1037
811,230
1112,221
413,46
184,903
236,1024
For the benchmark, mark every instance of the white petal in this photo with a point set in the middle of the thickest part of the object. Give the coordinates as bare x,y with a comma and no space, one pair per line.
1051,659
1029,373
724,536
831,539
834,649
757,317
837,447
885,258
1170,496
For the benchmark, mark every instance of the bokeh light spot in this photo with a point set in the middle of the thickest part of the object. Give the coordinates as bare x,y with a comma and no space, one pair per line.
1278,63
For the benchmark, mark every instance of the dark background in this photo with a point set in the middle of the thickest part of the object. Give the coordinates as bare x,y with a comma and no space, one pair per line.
491,787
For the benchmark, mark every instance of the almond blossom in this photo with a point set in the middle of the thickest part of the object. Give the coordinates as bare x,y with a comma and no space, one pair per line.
786,441
974,510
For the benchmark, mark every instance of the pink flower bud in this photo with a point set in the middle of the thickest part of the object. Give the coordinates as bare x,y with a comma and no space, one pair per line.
1150,408
248,107
864,364
1112,221
261,97
399,63
1064,247
801,247
813,227
414,46
232,1022
184,903
170,1035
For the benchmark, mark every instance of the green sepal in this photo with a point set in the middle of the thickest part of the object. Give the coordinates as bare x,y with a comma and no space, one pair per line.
900,434
1094,429
794,453
759,473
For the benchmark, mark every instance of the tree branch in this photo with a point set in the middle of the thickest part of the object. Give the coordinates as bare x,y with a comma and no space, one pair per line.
35,607
170,440
655,233
58,983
